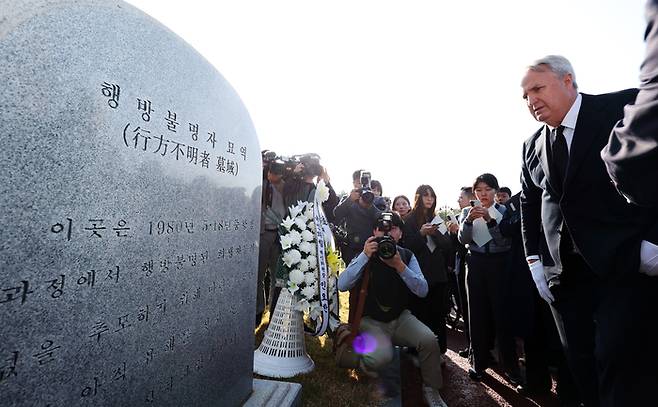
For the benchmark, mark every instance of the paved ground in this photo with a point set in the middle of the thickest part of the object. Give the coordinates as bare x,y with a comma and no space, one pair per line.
460,390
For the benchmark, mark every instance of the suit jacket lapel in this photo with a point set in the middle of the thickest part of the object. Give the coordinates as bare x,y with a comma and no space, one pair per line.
587,127
543,149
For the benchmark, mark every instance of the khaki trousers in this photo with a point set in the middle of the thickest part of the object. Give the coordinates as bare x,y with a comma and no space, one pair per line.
408,331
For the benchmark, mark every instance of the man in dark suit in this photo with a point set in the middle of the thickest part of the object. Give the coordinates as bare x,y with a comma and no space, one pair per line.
588,269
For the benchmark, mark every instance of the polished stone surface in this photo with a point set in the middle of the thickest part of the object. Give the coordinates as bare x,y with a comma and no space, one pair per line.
130,176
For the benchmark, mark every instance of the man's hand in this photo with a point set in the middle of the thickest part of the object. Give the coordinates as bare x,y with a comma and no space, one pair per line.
370,246
453,228
355,195
537,270
395,262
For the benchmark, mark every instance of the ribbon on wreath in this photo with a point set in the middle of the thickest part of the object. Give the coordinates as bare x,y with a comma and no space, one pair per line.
321,227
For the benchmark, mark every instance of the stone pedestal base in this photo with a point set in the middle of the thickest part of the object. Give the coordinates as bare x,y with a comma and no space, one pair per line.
270,393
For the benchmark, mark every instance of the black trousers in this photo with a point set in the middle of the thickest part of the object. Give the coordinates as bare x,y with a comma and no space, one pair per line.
463,300
609,330
543,349
432,311
486,281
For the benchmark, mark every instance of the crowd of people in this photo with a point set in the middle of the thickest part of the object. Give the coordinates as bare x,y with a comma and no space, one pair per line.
566,267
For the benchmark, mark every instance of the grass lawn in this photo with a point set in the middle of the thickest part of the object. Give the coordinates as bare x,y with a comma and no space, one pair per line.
328,385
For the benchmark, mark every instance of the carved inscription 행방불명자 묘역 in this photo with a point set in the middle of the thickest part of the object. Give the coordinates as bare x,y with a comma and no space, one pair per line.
130,214
144,136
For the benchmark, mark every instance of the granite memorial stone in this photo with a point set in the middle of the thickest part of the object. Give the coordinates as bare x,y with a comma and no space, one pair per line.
130,175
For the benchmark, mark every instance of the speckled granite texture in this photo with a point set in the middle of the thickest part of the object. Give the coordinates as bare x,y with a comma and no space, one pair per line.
130,175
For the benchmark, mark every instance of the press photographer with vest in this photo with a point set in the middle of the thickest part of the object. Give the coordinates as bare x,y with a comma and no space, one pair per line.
394,278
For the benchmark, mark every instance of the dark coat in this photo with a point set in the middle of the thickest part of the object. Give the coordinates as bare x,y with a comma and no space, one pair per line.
433,264
520,298
631,155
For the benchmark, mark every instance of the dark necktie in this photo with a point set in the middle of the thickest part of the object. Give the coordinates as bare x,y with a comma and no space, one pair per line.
560,155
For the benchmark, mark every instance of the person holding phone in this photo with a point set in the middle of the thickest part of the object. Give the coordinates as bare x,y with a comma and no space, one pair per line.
432,248
486,279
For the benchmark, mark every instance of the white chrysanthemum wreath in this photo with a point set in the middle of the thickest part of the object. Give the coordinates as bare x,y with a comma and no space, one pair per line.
300,262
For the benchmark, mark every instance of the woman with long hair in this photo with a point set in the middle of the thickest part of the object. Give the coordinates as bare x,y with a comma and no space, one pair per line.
487,279
431,248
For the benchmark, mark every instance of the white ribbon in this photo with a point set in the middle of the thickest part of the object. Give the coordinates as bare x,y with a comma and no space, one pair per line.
320,223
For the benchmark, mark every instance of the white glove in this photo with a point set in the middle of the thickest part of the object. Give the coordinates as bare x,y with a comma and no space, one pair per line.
537,270
649,258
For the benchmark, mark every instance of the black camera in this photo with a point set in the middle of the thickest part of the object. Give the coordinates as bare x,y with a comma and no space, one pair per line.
285,166
340,234
366,192
386,247
273,163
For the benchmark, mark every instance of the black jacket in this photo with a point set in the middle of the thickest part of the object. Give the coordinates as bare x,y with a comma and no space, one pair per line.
433,264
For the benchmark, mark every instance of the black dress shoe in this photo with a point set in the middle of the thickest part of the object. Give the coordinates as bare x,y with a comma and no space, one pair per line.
475,375
464,353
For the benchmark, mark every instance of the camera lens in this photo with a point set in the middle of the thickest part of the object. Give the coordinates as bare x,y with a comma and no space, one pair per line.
386,247
367,196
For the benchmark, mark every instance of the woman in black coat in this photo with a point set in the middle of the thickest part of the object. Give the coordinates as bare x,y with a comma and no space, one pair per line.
431,248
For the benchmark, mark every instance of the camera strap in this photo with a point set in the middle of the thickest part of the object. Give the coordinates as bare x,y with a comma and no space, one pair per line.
363,292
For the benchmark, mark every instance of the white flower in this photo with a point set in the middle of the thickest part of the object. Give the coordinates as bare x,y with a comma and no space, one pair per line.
307,235
309,211
313,250
308,292
333,323
297,209
296,277
306,247
292,257
312,226
303,265
295,237
309,278
285,242
288,222
315,313
322,191
292,288
302,306
300,221
312,261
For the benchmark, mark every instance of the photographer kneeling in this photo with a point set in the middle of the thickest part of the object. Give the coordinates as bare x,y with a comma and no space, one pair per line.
395,277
